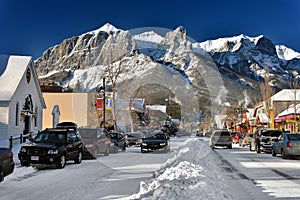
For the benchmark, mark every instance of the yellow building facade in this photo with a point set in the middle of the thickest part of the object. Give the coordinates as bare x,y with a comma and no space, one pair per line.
74,107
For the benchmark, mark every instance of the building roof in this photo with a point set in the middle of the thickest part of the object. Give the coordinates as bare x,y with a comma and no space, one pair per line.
286,95
12,70
290,110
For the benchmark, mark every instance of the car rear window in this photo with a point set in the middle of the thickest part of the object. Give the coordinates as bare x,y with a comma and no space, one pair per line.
222,133
293,136
272,133
88,133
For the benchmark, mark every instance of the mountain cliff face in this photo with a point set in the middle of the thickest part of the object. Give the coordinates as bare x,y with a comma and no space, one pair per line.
241,61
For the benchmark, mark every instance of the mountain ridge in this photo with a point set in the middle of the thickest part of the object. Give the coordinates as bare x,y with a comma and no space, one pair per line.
242,61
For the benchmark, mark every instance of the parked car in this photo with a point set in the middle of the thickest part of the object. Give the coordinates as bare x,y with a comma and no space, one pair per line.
263,140
118,141
52,146
157,140
134,139
288,145
246,139
7,164
95,141
221,138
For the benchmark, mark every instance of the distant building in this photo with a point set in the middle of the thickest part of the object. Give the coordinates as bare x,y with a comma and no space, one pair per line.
50,86
281,100
21,100
79,108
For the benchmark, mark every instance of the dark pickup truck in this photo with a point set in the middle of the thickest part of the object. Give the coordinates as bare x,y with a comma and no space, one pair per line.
263,140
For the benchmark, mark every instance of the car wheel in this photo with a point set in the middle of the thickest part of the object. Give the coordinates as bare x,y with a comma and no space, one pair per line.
24,164
258,149
78,159
106,153
95,153
283,154
62,162
273,152
230,147
142,150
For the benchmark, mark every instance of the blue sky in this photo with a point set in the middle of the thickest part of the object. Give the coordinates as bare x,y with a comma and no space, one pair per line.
29,27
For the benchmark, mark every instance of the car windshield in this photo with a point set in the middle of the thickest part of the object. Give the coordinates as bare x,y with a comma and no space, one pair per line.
158,136
221,133
293,136
113,135
87,133
135,135
50,137
272,133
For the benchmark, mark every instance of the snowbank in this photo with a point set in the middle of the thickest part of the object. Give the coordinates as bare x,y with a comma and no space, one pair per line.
194,172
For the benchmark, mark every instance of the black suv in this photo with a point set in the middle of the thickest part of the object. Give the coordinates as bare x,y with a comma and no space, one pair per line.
263,140
52,146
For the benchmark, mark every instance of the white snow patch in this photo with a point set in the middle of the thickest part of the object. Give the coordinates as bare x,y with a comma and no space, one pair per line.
286,53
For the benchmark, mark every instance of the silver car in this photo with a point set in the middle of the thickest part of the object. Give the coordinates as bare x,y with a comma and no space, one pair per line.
221,138
288,144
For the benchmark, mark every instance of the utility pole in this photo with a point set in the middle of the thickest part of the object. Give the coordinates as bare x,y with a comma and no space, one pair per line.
104,102
102,90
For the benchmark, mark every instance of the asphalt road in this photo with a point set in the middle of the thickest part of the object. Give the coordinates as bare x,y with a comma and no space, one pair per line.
260,176
114,176
248,175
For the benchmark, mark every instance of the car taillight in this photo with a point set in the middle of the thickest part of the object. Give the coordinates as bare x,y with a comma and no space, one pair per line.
11,154
288,144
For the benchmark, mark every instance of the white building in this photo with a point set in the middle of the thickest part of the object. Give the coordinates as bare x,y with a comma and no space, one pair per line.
21,100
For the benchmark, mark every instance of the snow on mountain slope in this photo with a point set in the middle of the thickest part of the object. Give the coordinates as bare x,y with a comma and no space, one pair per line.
105,28
227,43
286,53
150,36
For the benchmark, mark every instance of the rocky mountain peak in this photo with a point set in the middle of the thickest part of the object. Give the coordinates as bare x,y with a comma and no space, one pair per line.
266,46
177,40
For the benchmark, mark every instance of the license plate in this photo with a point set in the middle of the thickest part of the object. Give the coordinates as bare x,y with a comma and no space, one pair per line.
34,158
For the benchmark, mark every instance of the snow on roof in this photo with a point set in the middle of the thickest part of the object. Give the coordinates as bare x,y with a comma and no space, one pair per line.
286,95
290,110
12,69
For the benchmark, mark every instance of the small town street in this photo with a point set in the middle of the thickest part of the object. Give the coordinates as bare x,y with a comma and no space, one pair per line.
244,174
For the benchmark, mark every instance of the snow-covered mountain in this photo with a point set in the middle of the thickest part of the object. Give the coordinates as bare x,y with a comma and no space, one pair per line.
241,61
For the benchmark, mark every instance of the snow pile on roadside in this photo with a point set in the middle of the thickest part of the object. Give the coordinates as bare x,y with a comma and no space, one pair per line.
193,173
19,174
